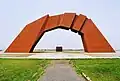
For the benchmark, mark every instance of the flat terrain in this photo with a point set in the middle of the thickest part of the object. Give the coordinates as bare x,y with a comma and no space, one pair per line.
98,69
21,69
60,70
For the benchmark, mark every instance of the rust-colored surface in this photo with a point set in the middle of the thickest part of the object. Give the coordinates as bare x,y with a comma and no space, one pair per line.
93,40
66,20
78,22
28,36
52,22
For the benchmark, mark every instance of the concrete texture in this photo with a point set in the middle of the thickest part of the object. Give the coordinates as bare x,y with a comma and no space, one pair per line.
59,55
92,38
60,70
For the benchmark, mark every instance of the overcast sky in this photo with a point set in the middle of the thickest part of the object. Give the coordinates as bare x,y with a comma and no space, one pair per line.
15,14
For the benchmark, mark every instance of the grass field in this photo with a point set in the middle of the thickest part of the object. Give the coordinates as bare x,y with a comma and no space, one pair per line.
98,69
22,69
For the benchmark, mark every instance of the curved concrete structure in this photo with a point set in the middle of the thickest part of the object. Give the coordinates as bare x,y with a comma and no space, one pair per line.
93,40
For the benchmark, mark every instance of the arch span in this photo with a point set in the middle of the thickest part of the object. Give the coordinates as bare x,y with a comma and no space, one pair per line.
92,38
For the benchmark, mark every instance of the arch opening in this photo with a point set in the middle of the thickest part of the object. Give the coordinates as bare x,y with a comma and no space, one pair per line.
69,42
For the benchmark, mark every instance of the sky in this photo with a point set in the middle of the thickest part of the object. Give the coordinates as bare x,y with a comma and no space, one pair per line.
15,14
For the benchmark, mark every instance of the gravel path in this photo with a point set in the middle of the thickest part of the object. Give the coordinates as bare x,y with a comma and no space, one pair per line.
60,70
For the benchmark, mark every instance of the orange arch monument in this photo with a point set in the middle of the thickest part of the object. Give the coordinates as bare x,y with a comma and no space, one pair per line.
92,38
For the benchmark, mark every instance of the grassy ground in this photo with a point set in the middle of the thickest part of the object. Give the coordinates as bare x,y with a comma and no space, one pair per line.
21,69
98,69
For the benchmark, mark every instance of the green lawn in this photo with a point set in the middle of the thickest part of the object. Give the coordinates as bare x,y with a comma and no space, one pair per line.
98,69
22,69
